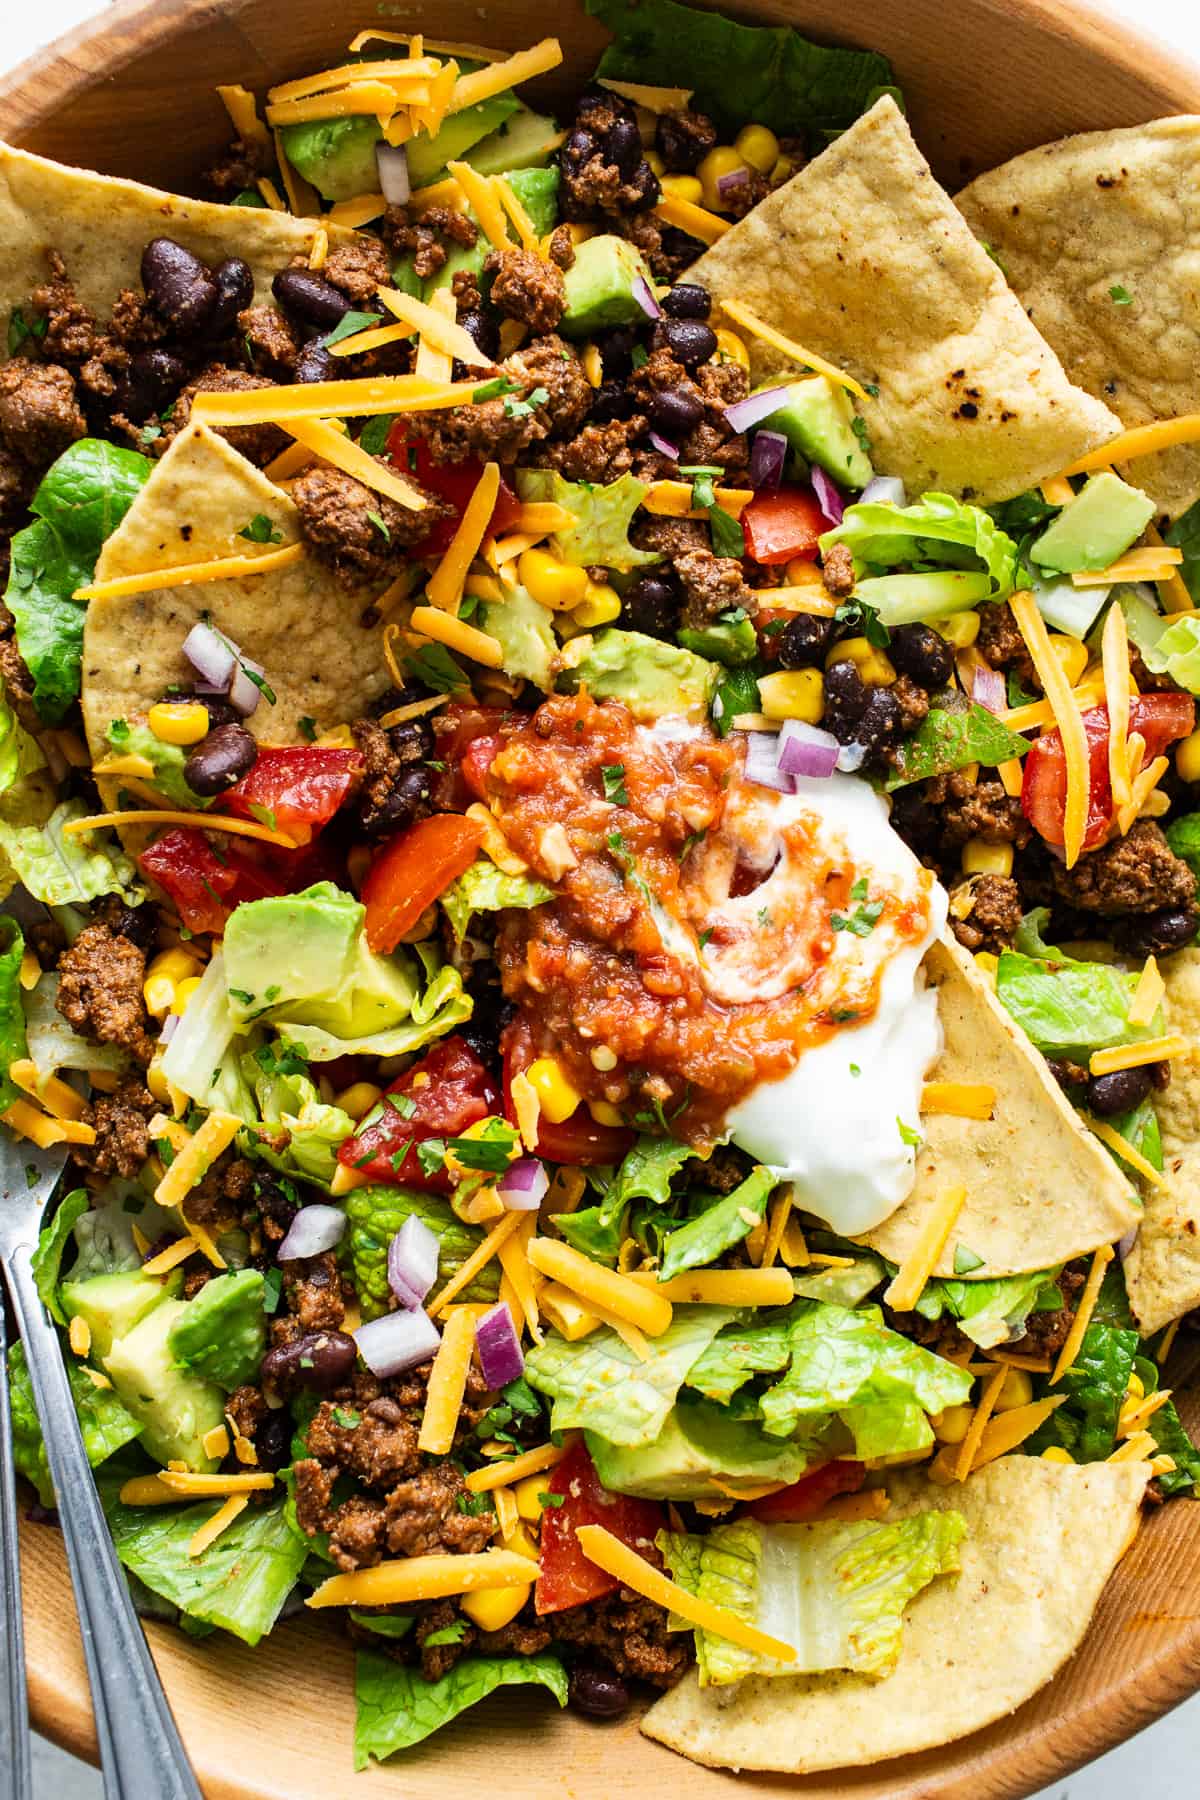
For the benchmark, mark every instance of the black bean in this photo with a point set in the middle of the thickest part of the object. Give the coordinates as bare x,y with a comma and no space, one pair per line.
683,140
407,796
681,247
922,654
845,701
616,351
599,1693
483,330
690,341
622,144
220,710
1119,1092
687,300
150,383
273,1441
309,297
647,191
318,1361
178,286
603,100
220,760
880,722
314,363
580,147
1170,928
610,401
137,923
235,292
650,605
803,641
675,412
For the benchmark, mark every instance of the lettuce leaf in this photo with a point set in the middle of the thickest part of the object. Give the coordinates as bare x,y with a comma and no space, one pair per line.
104,1424
719,1227
599,1382
1067,1009
934,530
740,72
1167,1429
443,1005
841,1359
1095,1386
485,888
199,1060
104,1240
290,1104
761,1347
644,1174
952,734
1184,534
52,1242
12,1017
991,1312
602,513
376,1215
69,871
1183,835
52,1045
842,1286
80,501
835,1591
398,1708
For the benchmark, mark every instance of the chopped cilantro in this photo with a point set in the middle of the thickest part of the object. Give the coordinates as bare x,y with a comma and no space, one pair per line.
165,1150
861,921
307,727
431,1154
859,428
860,889
613,776
691,842
149,433
453,1633
272,1288
381,526
264,815
702,940
492,390
20,328
639,356
398,1157
242,997
908,1136
1120,296
118,731
347,1420
348,324
474,1504
433,665
404,1104
865,621
373,438
262,530
261,683
490,1153
520,409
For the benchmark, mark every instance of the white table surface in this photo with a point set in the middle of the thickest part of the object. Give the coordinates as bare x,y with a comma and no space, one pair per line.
1161,1760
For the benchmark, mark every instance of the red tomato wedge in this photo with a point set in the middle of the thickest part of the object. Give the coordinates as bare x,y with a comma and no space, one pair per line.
204,887
1158,718
299,789
452,482
806,1497
782,525
411,870
457,729
579,1140
439,1096
566,1577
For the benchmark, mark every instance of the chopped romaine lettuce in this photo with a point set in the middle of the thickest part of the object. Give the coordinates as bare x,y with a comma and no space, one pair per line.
397,1707
376,1215
485,888
936,530
12,1016
69,871
841,1286
104,1240
719,1227
952,734
645,1174
52,1241
1183,835
104,1424
1066,1008
52,1044
762,1346
1095,1386
221,1334
1184,534
993,1311
600,534
290,1105
599,1382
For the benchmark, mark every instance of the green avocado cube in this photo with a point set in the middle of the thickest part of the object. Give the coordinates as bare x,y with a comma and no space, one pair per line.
699,1445
599,286
111,1305
1096,527
176,1409
651,678
817,419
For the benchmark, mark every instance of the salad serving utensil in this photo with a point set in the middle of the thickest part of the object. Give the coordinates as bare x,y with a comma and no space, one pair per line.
141,1751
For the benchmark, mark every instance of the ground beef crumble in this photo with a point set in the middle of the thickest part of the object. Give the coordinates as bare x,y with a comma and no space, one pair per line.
40,413
527,288
259,444
994,914
362,535
1138,873
122,1131
100,990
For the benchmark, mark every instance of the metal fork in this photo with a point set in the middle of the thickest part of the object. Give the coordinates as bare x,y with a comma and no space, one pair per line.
141,1752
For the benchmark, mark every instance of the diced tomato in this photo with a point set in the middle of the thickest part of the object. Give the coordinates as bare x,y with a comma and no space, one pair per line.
806,1497
438,1097
579,1140
783,525
452,482
478,758
1159,718
411,870
456,728
300,789
204,886
566,1577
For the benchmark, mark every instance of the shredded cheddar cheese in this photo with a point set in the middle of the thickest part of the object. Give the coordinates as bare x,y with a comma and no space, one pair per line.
750,321
697,221
243,116
221,1520
270,194
302,197
1115,649
447,1384
79,1335
56,1097
1124,1149
522,223
183,1481
908,1283
320,249
42,1130
967,1450
446,583
1148,563
514,1260
375,338
333,447
249,828
673,500
1140,440
602,1289
359,398
171,1257
515,1468
1083,1312
433,323
224,568
478,1259
1066,715
484,201
722,1287
959,1099
1134,1056
360,99
482,84
456,634
423,1578
197,1157
1057,491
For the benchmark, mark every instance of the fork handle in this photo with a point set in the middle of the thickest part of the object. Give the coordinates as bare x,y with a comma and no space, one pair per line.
16,1772
141,1752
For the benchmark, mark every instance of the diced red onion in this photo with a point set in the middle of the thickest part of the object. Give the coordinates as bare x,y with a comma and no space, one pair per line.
761,766
664,446
641,291
851,758
244,695
523,1185
412,1261
210,655
744,414
500,1358
314,1228
1127,1242
169,1028
806,750
398,1341
391,160
831,501
885,490
736,178
768,453
987,690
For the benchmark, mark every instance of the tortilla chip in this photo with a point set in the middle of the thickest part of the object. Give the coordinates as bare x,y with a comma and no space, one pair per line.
100,225
1111,211
298,622
1040,1188
863,259
1042,1540
1162,1271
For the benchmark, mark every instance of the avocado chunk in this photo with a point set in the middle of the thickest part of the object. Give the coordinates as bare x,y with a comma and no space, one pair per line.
537,190
111,1305
336,155
428,156
1096,527
522,627
222,1331
599,286
651,678
177,1410
817,420
730,639
526,141
698,1446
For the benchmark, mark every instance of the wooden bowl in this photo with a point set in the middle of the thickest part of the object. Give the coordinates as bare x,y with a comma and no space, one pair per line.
131,93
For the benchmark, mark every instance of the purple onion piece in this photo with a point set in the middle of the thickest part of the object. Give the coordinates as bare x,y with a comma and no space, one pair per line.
391,160
1127,1242
761,766
641,291
806,750
664,446
987,690
744,414
412,1261
768,454
210,655
523,1185
397,1342
831,502
500,1358
314,1228
736,178
244,695
885,490
169,1028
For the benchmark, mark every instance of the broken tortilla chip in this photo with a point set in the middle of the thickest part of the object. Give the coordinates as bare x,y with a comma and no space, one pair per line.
863,258
1162,1271
1042,1540
1040,1188
1098,234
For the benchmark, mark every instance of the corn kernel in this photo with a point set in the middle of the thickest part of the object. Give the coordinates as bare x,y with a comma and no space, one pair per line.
520,1540
557,1095
979,858
647,124
961,630
1055,1453
604,1113
158,991
783,170
874,667
358,1098
1071,653
529,1497
600,606
183,993
493,1608
179,722
593,365
950,1426
793,694
683,187
731,348
1187,758
724,160
1135,1388
988,964
550,581
757,145
1017,1390
656,163
176,965
156,1081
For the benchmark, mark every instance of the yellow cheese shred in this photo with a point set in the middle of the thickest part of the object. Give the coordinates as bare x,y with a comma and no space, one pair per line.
58,1099
444,628
1067,717
1176,587
522,223
42,1130
482,1254
968,1449
447,1385
243,115
632,1570
221,1520
398,71
1142,797
374,338
1083,1312
781,1209
482,84
601,1287
80,1335
654,99
908,1283
356,213
1148,563
271,194
358,398
763,1286
302,197
1124,1149
433,362
1133,1056
1057,491
196,1158
249,828
223,568
437,326
320,249
423,1578
485,202
1148,995
1115,650
673,500
513,1469
183,1481
1140,440
1135,1449
697,221
959,1099
353,460
360,99
171,1257
446,583
750,321
472,52
514,1260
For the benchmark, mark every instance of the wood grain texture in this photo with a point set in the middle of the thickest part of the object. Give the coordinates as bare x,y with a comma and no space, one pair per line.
131,94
